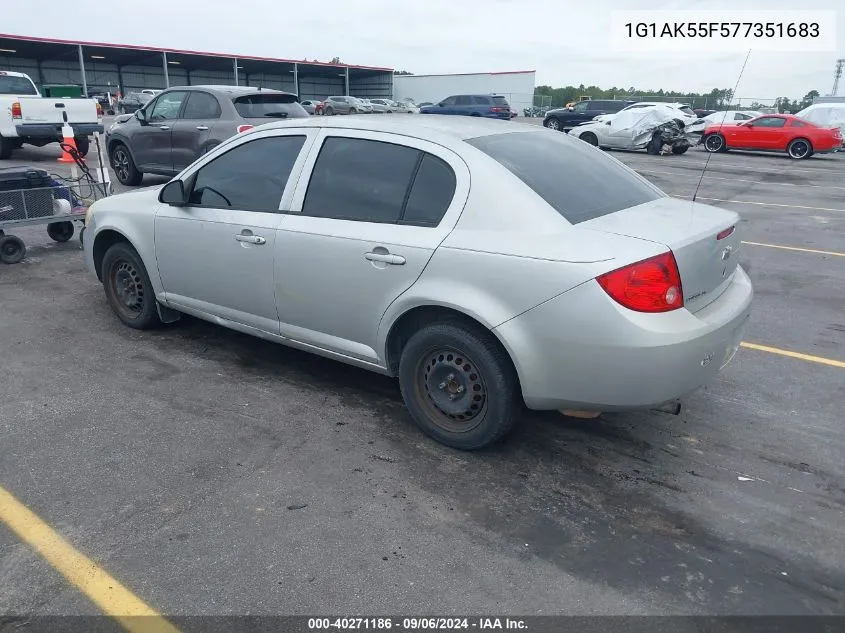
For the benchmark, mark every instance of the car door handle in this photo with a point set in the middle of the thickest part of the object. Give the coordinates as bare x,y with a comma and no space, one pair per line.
385,258
250,239
163,127
202,128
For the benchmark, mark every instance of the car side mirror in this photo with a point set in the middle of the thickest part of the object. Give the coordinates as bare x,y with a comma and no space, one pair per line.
440,105
570,108
173,194
748,124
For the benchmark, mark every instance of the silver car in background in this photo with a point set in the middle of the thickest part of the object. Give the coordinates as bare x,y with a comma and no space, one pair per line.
560,280
345,105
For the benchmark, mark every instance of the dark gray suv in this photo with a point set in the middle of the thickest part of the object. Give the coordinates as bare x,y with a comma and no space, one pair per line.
181,124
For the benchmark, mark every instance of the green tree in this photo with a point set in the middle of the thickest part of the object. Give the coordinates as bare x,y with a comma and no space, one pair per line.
808,99
402,72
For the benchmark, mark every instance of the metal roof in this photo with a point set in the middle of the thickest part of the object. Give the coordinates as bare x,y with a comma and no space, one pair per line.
43,48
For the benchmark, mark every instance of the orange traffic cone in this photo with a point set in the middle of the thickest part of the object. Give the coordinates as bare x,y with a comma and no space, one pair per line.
67,139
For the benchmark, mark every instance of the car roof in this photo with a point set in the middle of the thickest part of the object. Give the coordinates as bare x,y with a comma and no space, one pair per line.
424,126
231,90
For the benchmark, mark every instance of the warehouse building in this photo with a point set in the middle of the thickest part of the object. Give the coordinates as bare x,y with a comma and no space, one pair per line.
105,68
516,86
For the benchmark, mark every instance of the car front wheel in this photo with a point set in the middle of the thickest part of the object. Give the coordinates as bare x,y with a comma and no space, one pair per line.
128,289
459,385
714,143
552,124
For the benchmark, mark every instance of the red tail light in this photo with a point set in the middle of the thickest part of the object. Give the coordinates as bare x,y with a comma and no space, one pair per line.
16,110
723,234
497,109
652,285
244,128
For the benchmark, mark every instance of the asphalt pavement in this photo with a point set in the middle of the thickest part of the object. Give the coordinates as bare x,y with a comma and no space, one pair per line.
213,473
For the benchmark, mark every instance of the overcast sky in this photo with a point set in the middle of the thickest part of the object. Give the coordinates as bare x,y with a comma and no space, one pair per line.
565,41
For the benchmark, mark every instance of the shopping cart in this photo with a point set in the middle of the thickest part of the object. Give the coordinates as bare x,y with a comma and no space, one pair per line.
32,196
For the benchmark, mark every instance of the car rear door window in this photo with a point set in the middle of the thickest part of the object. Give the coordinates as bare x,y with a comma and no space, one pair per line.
464,100
201,105
574,178
360,179
431,194
248,177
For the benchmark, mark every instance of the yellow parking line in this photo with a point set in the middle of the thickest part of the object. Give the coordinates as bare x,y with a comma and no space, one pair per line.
91,579
783,352
795,248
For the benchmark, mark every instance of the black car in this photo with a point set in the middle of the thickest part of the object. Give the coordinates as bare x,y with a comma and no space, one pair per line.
133,101
565,119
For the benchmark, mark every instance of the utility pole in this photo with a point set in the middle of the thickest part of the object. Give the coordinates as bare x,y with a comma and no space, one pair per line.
836,75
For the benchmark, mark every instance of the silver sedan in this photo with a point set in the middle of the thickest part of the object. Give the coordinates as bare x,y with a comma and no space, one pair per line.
560,279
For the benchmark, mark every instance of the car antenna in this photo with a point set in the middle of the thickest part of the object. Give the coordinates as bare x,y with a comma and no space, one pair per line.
709,154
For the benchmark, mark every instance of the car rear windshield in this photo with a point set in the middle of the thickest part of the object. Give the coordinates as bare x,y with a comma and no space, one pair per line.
500,101
577,180
270,106
687,110
16,86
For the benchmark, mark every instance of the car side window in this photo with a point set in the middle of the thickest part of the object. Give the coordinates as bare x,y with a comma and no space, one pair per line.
477,100
249,177
464,100
581,107
359,179
797,124
431,194
739,116
201,105
167,106
770,121
449,101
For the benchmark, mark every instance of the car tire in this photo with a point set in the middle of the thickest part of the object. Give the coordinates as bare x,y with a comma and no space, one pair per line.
553,124
6,147
12,249
83,145
128,289
459,385
353,111
328,111
590,139
124,167
799,149
680,150
653,146
60,231
714,143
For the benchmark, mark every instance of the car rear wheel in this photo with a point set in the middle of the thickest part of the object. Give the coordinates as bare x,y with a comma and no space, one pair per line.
12,249
714,143
459,385
6,147
83,144
328,111
799,148
60,231
124,167
680,150
128,288
552,124
590,138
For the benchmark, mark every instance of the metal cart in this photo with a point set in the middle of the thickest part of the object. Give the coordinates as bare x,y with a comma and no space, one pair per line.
57,201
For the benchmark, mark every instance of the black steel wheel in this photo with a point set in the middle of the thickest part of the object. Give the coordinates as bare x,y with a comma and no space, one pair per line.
128,289
60,231
124,167
12,249
799,148
459,385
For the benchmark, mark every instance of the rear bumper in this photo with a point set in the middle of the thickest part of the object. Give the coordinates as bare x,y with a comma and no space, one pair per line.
582,350
54,130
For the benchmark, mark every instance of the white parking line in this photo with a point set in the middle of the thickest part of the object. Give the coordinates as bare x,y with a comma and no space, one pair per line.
753,182
759,204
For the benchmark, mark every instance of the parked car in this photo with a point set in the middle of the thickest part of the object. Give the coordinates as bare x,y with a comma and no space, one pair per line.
650,128
773,133
151,92
133,101
825,114
382,106
181,124
405,107
602,293
488,106
729,116
683,111
364,106
564,119
312,106
343,105
26,117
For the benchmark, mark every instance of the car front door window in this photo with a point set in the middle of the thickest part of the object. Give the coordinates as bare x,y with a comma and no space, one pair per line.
216,254
167,106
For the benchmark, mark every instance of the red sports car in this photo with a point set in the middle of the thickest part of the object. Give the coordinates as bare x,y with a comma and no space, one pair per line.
773,133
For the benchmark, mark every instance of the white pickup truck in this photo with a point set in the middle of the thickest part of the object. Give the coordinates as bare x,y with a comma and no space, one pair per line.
27,117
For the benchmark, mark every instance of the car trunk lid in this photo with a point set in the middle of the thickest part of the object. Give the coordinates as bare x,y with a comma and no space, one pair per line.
704,240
